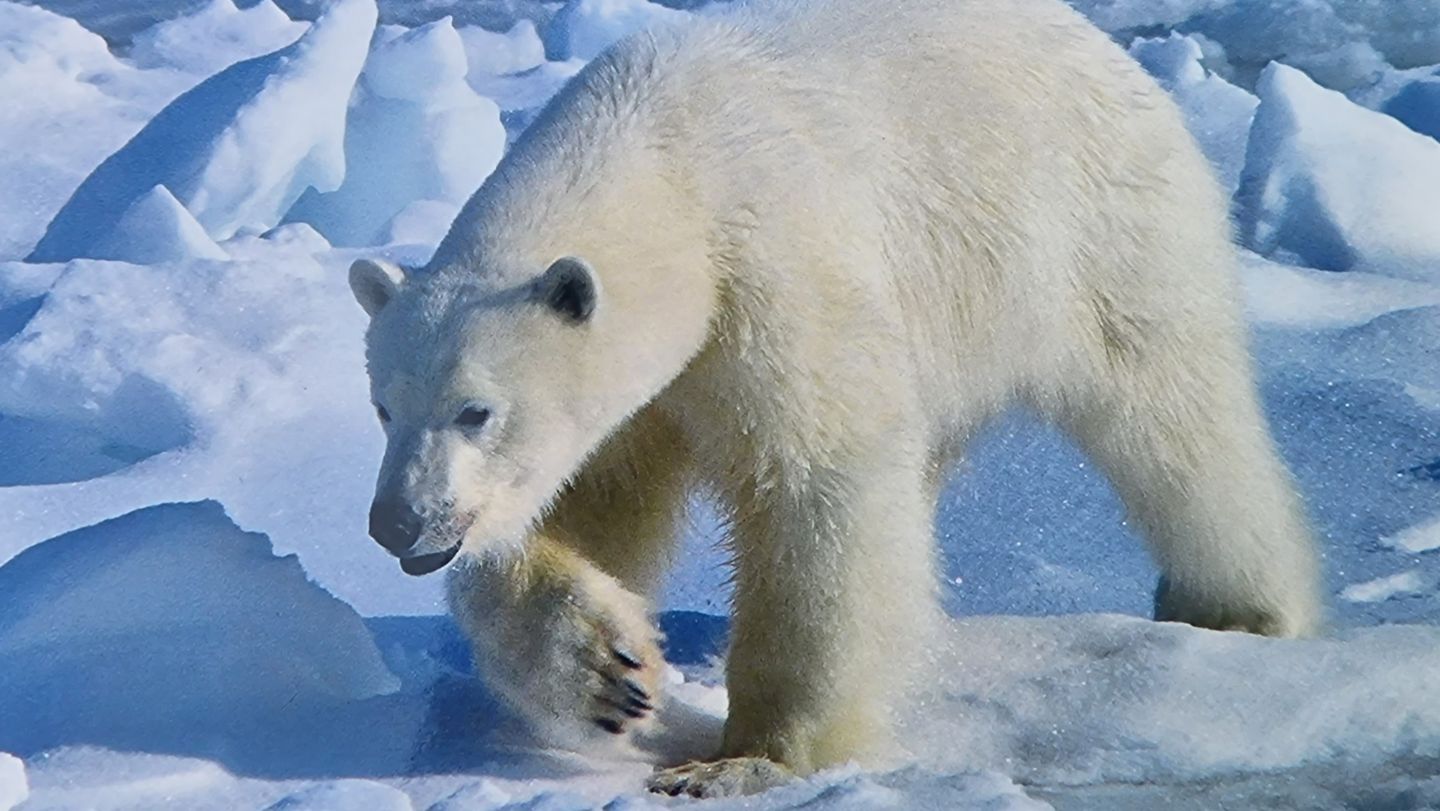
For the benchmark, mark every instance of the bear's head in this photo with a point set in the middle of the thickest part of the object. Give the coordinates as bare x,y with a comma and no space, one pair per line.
487,399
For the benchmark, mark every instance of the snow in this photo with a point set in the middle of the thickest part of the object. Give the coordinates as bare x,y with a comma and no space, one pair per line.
1345,44
239,148
491,53
13,786
215,36
1217,112
425,134
1417,104
76,94
1385,588
584,28
157,228
1307,194
1424,537
195,619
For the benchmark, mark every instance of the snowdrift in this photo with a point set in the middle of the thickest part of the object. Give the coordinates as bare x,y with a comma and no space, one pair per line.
171,630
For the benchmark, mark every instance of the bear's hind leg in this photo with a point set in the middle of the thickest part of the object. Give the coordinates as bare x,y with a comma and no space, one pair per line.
1178,428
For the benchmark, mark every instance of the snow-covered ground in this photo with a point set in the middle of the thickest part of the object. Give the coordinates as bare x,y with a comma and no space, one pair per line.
193,616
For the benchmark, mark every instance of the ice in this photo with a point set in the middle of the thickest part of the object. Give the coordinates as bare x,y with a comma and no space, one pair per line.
1423,537
423,222
76,94
1217,113
1308,195
345,795
225,646
1297,298
1385,588
156,228
215,36
239,148
1345,44
584,28
1417,104
425,134
528,90
13,786
491,53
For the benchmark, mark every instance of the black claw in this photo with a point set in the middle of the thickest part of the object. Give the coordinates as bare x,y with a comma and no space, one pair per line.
609,725
627,658
637,704
631,709
633,688
674,791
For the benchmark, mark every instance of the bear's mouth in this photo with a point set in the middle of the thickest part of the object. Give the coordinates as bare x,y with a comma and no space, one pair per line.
425,564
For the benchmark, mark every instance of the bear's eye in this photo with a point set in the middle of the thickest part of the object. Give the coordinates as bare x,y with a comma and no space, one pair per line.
473,417
382,413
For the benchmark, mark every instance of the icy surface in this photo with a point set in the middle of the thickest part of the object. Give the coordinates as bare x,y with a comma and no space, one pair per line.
238,149
171,415
1308,194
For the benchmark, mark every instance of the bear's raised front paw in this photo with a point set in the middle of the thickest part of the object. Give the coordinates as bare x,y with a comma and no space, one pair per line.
577,662
731,777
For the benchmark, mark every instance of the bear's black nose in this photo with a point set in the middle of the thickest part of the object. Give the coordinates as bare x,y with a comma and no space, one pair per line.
394,525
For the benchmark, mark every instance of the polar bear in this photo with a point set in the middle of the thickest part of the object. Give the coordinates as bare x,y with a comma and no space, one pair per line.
794,255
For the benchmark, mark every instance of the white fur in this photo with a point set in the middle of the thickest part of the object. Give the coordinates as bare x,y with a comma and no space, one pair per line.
835,237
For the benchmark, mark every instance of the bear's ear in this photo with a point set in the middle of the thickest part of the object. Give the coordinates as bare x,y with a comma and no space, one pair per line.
374,282
570,288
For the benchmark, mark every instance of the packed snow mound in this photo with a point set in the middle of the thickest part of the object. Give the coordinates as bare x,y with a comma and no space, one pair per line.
13,786
1098,698
175,610
1307,195
216,35
584,28
239,148
495,53
156,228
425,135
1217,113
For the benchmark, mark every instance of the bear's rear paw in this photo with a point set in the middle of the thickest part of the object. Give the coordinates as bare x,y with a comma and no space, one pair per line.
1173,604
731,777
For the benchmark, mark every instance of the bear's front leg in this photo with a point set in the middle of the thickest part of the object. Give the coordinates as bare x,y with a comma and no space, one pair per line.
564,644
834,591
